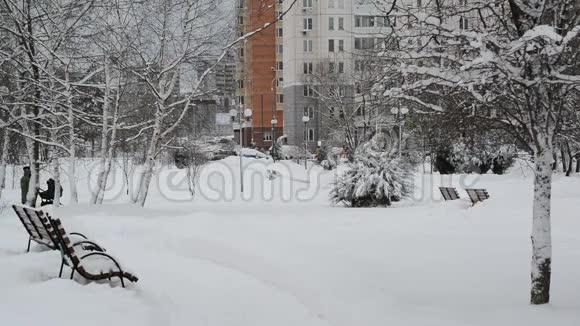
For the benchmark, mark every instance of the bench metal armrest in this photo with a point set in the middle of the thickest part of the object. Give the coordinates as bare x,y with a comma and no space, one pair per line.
99,248
79,234
99,253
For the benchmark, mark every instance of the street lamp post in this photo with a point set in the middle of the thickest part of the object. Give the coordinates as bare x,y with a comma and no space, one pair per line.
274,122
400,112
305,119
242,116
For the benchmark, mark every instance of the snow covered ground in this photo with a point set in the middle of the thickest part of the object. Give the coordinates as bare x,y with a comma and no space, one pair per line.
282,256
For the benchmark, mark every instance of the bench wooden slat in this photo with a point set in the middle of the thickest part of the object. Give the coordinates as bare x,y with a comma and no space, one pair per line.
449,193
477,195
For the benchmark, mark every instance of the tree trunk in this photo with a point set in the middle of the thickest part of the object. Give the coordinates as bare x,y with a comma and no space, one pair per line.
74,198
56,178
541,227
570,160
149,166
102,177
3,156
564,164
33,183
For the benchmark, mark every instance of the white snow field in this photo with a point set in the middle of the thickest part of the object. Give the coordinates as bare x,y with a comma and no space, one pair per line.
286,257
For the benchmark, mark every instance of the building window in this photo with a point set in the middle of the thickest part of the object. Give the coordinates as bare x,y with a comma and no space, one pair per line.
330,45
382,21
307,45
419,4
359,65
241,100
331,3
307,24
241,52
280,98
340,4
340,23
306,3
268,136
280,82
340,45
364,21
240,20
279,32
308,91
308,68
309,112
279,65
364,43
330,23
463,2
310,134
341,67
280,49
463,23
279,15
331,67
241,84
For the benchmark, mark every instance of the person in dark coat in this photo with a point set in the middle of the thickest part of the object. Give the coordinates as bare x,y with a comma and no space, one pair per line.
48,194
24,184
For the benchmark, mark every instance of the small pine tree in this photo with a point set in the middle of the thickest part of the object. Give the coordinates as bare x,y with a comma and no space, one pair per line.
375,178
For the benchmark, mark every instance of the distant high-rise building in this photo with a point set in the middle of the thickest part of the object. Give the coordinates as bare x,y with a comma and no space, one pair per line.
259,71
210,111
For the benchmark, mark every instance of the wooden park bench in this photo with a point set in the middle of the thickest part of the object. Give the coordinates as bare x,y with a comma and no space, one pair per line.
449,193
93,266
48,232
39,229
477,195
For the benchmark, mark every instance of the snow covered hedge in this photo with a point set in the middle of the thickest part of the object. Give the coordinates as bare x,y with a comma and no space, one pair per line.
481,157
375,178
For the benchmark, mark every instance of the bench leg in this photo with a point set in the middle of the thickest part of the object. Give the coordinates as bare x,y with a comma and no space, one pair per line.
61,266
72,273
28,248
122,282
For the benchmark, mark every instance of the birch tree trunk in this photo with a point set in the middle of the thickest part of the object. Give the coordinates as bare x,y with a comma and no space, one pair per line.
101,178
109,160
56,178
74,198
33,183
541,226
3,162
55,165
149,166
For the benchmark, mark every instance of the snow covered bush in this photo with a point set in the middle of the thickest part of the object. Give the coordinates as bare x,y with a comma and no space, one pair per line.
276,152
330,157
288,152
475,156
375,178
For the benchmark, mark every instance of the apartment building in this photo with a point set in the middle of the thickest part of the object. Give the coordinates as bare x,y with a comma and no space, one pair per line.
324,38
259,72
